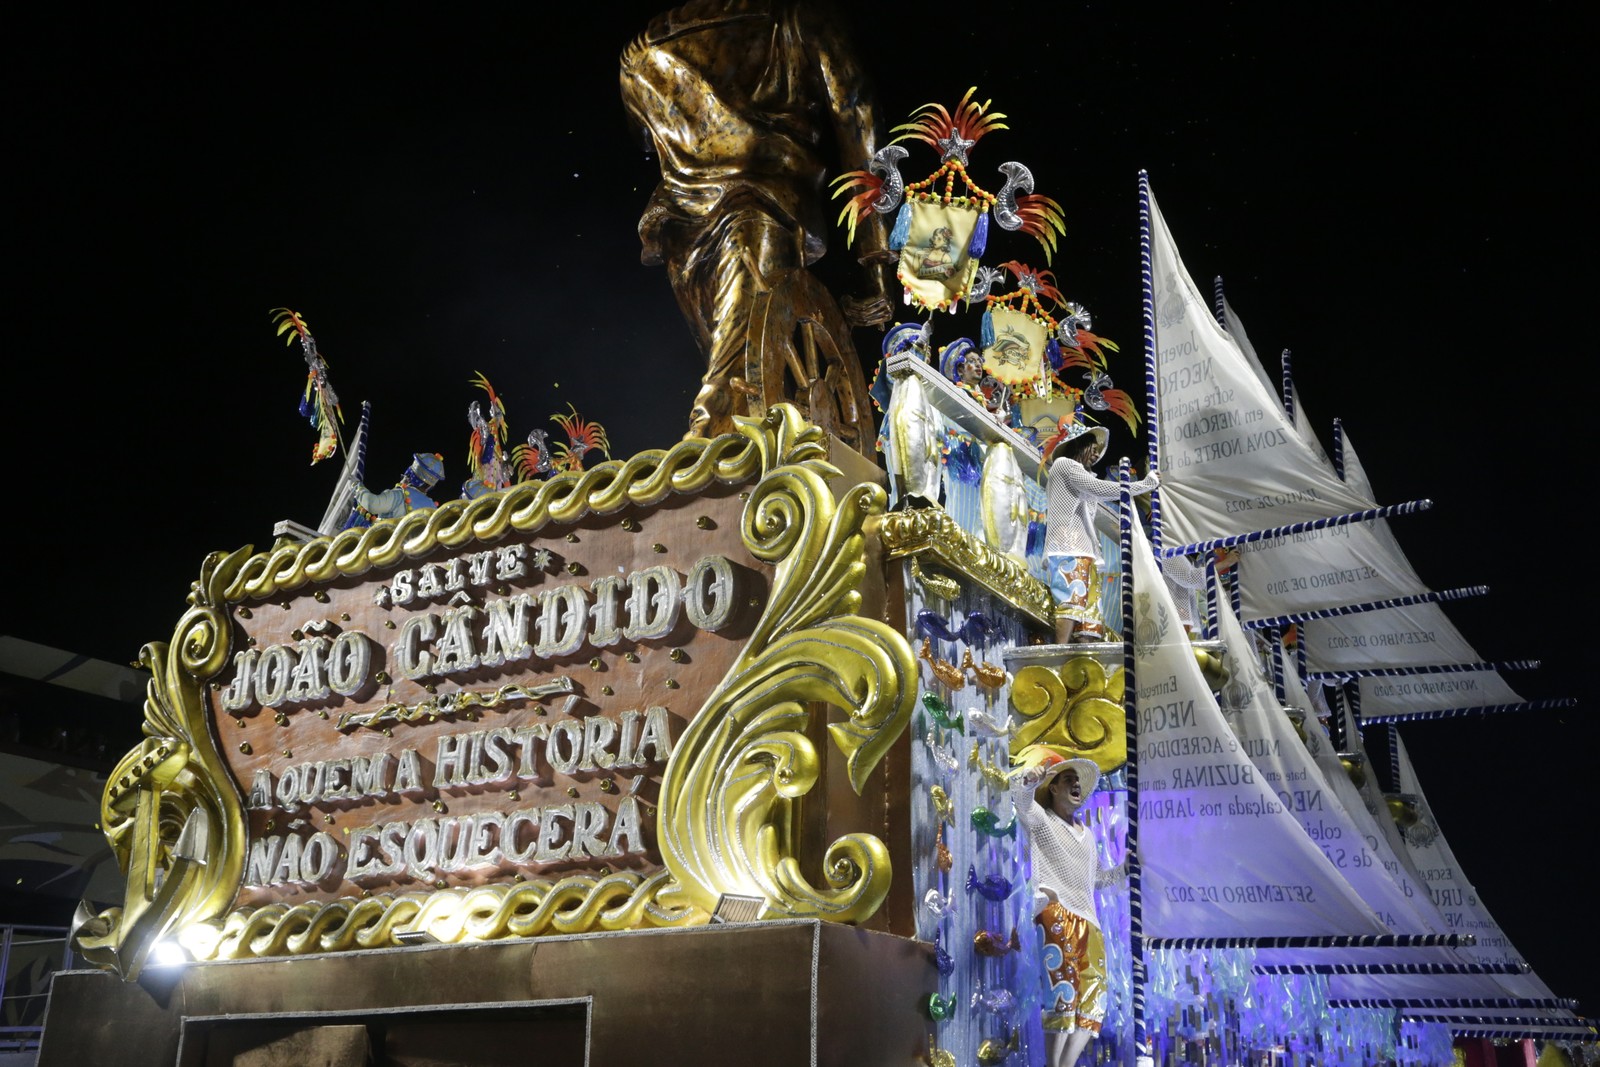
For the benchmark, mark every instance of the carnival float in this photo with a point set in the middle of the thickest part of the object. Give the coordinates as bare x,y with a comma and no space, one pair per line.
756,711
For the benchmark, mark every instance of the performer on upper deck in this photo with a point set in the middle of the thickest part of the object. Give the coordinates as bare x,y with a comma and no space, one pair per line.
1072,547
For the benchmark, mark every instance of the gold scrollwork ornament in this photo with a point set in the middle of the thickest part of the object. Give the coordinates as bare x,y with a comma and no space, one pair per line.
171,813
1075,709
728,793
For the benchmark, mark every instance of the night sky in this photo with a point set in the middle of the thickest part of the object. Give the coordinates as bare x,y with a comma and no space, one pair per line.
1400,203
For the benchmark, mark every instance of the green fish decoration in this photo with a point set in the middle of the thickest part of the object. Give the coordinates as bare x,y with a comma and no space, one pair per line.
941,713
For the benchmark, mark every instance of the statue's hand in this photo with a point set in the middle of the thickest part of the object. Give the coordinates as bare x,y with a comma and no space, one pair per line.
867,311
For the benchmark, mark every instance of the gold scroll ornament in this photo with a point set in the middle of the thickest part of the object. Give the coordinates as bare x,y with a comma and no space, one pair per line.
1075,709
175,819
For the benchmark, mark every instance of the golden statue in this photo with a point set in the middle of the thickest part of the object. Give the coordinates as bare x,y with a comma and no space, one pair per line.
738,97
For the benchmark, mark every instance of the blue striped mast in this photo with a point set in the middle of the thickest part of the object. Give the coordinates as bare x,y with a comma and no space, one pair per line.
1554,1030
1130,699
1287,386
1530,1003
1190,944
1278,686
1372,605
1338,734
1367,515
1390,968
1219,305
1213,591
1436,668
1394,757
1464,713
1338,448
1151,381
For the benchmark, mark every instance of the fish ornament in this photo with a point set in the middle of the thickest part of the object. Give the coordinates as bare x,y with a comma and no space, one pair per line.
985,822
941,1057
988,675
991,1051
942,804
943,962
997,1001
988,725
947,764
941,1008
932,624
988,943
942,858
976,628
991,887
939,906
993,774
941,713
948,673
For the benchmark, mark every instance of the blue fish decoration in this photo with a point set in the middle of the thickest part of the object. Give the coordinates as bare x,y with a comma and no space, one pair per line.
999,1001
976,628
943,962
991,887
987,822
932,624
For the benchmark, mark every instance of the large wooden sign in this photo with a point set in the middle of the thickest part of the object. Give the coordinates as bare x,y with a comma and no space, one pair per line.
589,703
472,716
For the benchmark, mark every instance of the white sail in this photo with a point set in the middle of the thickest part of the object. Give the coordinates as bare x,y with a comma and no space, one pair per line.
1418,635
1359,563
1454,894
1406,693
1386,846
1231,461
1304,427
1366,803
1235,330
1222,856
1291,769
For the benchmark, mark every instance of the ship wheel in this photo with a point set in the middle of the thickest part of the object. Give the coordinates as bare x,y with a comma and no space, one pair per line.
801,353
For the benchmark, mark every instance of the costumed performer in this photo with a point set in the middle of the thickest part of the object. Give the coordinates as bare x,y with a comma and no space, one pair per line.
1066,872
1071,546
963,365
409,494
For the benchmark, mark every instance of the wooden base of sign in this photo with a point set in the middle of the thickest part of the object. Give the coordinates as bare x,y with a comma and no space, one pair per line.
795,993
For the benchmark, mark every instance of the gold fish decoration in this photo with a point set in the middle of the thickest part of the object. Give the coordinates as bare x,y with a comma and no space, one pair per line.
988,675
948,673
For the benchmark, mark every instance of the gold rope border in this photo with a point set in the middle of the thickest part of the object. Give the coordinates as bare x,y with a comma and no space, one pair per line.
646,479
573,905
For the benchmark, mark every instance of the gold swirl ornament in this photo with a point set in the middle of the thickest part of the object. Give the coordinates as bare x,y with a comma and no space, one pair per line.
170,810
1076,709
727,797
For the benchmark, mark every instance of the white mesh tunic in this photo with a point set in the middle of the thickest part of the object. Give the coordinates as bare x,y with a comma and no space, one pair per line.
1064,858
1074,492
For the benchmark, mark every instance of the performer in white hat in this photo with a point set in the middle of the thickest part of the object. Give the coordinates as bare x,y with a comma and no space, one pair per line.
1071,546
1065,873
